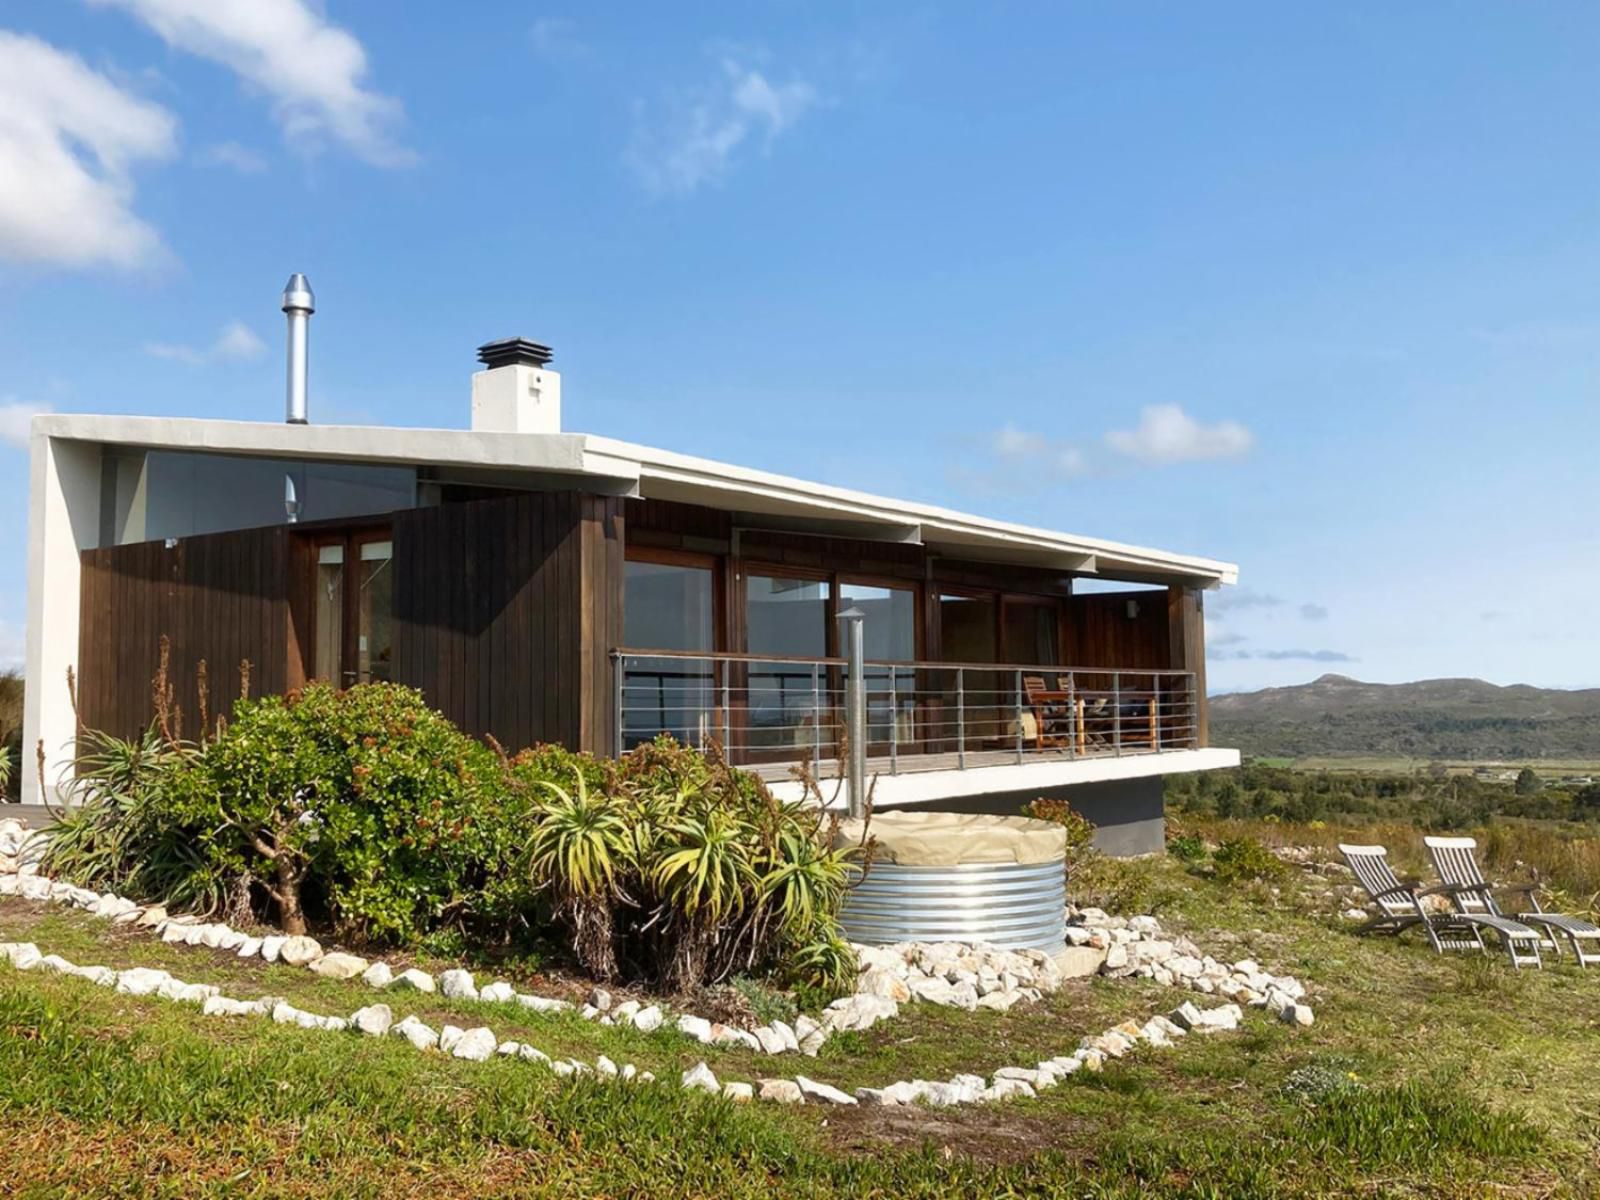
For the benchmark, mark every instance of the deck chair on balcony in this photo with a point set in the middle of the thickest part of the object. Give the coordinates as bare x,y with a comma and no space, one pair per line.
1052,713
1399,904
1455,860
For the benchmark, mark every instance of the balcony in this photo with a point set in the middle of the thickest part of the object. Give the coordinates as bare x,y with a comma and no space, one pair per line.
772,713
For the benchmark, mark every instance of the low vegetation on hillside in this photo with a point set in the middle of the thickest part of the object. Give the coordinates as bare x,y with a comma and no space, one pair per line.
1450,719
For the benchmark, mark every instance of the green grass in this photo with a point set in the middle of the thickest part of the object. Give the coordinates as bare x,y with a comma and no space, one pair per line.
1468,1080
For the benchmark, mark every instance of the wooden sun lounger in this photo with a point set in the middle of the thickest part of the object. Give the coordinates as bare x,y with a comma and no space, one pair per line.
1399,904
1456,861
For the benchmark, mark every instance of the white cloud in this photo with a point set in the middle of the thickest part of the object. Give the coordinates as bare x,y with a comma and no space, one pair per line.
15,417
235,343
1013,446
231,154
69,138
314,71
1167,434
699,135
555,37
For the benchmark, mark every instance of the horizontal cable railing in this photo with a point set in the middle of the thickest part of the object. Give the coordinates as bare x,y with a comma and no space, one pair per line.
780,709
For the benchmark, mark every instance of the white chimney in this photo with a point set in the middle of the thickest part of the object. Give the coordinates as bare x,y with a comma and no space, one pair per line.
516,392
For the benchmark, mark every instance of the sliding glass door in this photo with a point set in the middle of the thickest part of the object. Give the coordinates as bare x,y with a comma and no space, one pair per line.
669,604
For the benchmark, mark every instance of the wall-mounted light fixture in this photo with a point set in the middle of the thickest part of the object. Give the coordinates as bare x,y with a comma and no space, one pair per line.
1133,610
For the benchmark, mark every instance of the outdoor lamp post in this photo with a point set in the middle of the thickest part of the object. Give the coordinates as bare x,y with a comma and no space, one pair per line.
855,711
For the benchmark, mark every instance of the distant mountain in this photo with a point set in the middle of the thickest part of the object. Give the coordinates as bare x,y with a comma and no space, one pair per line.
1434,718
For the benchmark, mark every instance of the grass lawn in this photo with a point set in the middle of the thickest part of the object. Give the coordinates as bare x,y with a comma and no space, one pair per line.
1421,1077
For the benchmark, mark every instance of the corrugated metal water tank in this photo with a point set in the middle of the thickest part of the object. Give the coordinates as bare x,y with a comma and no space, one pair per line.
960,877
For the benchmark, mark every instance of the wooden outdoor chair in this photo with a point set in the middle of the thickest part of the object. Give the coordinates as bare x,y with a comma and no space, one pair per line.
1052,714
1455,860
1399,904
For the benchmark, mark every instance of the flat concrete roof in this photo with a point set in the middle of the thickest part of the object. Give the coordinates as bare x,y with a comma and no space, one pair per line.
618,467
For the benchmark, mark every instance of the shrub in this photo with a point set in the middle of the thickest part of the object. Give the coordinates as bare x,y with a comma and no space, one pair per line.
1080,830
1187,847
1243,859
369,810
687,871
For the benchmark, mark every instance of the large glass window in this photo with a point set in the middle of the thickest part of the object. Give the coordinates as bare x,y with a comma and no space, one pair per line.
375,613
786,617
890,633
669,606
967,628
1032,632
329,619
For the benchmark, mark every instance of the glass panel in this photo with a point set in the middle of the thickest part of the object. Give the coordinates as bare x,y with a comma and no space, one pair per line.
375,621
669,607
328,622
787,617
967,634
966,628
1031,633
890,632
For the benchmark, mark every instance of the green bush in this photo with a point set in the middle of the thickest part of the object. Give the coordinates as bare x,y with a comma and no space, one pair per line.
687,871
1187,848
366,810
1244,859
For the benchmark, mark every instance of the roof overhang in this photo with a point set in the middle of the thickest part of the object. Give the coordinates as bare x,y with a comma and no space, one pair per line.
615,467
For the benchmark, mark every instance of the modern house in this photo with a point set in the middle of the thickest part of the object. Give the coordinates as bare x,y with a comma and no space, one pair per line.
539,585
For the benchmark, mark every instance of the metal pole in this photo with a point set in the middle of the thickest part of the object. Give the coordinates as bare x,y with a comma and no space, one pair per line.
855,711
1018,683
1116,700
894,725
616,702
816,719
961,718
298,305
727,715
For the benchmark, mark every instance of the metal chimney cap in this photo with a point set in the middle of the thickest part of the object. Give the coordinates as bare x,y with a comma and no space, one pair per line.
297,296
512,351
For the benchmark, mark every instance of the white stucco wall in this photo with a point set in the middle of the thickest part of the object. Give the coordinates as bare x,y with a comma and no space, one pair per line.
63,518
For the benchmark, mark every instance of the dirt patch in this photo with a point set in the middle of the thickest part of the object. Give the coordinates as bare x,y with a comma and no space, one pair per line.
987,1134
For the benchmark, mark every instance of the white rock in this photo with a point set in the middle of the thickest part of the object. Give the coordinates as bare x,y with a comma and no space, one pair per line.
373,1020
417,1033
600,999
542,1004
222,1006
700,1076
771,1041
941,1095
822,1093
780,1091
378,975
411,977
449,1036
647,1020
457,984
272,948
604,1066
1297,1014
589,1012
475,1044
1005,1089
561,1068
173,933
1000,1001
338,965
498,992
1028,1075
140,981
739,1093
249,948
508,1049
696,1027
300,950
728,1035
532,1054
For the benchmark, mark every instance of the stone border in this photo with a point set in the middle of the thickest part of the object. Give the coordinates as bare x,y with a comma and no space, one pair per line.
480,1043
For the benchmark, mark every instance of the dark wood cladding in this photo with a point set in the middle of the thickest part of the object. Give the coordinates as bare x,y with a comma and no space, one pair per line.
222,598
506,611
1100,633
1186,623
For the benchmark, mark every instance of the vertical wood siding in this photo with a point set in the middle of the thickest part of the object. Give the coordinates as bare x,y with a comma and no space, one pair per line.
506,611
221,597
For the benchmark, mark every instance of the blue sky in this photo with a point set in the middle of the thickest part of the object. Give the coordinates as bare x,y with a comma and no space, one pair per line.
1308,287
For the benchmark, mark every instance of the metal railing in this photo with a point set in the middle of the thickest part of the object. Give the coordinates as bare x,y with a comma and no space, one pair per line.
918,716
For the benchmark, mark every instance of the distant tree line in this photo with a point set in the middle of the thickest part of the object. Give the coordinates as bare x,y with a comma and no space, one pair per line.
1430,798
